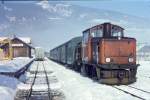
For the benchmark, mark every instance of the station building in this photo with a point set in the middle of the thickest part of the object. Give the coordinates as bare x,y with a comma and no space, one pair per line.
17,47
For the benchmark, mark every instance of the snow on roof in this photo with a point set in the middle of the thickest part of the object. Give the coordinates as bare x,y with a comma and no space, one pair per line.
3,38
24,39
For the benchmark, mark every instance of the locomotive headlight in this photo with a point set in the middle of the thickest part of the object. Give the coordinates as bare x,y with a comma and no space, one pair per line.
131,59
107,59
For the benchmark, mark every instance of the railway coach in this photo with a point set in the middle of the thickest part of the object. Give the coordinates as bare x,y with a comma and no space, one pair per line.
39,54
103,52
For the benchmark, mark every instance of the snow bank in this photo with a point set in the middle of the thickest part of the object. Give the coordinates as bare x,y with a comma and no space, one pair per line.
7,87
14,65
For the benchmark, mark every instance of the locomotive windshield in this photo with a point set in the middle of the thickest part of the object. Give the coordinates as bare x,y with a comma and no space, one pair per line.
97,33
116,32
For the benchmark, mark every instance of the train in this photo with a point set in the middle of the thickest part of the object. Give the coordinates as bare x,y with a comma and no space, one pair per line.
39,54
102,53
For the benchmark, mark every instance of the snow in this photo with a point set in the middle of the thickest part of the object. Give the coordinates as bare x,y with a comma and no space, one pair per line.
8,85
3,38
77,87
40,87
40,82
74,85
14,65
22,86
24,39
143,76
7,90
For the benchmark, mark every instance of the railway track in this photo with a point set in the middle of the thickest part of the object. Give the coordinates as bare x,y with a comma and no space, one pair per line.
40,84
142,95
140,89
37,94
30,91
48,84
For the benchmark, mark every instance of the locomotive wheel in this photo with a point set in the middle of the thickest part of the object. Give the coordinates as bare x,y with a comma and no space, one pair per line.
83,70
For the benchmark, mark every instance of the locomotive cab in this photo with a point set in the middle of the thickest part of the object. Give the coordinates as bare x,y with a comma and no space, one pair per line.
108,55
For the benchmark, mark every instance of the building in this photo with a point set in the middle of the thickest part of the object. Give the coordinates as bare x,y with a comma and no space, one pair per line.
18,47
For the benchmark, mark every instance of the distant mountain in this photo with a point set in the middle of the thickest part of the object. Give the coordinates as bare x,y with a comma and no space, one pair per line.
50,24
145,49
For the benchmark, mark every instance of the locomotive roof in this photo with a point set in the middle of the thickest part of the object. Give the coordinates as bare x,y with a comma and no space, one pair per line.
103,25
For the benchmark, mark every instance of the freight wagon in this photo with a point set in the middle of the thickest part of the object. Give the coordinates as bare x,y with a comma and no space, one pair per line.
103,52
65,53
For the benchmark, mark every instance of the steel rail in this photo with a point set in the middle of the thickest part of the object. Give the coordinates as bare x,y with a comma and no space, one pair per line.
141,98
139,89
30,92
49,91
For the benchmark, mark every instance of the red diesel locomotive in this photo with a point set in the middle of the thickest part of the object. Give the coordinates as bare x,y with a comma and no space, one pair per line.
103,52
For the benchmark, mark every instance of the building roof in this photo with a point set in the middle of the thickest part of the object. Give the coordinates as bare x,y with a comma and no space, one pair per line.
23,42
3,38
24,39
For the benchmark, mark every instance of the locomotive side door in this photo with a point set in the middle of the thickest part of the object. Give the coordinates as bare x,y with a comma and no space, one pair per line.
95,52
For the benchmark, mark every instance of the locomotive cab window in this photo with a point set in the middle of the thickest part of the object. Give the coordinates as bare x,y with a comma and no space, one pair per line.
116,32
97,32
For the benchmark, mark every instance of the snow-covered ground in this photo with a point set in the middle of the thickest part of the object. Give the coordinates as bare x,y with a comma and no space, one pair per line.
14,65
8,85
77,87
143,76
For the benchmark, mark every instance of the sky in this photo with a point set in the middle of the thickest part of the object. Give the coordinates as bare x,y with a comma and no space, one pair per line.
139,8
60,22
